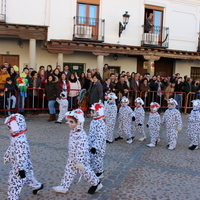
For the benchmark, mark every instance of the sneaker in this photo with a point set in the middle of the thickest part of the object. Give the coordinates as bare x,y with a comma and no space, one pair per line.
142,139
118,138
100,175
58,122
129,141
36,190
96,188
60,189
150,145
171,148
157,141
193,147
108,142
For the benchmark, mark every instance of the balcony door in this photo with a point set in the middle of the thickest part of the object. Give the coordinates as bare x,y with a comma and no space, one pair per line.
87,20
153,24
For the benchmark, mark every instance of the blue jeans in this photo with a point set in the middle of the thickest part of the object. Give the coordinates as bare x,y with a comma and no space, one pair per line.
179,99
51,106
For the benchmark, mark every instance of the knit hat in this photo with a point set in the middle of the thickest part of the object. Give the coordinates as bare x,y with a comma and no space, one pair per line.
171,100
155,106
111,97
99,108
79,115
139,100
196,103
16,122
63,94
125,100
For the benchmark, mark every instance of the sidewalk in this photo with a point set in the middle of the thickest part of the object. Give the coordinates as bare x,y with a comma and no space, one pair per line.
132,171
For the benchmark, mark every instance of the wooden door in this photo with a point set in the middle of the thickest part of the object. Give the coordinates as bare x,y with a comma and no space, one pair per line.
11,59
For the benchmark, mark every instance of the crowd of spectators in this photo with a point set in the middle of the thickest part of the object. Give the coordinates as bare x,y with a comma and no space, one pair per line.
48,82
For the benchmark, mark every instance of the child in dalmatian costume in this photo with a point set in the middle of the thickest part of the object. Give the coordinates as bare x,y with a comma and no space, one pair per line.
154,124
110,116
173,120
18,153
125,118
139,119
97,138
63,106
79,158
194,125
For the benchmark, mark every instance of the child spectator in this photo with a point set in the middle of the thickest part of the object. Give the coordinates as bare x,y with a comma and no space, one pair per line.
110,116
18,153
139,119
3,103
154,124
10,94
194,125
172,118
63,106
79,159
97,138
124,121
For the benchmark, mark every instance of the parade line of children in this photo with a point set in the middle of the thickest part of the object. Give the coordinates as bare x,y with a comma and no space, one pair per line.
86,152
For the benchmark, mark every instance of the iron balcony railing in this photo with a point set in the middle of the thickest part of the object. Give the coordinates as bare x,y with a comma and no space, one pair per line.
88,29
157,36
198,47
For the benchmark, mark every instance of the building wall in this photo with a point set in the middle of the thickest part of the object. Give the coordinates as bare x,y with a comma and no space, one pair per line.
182,18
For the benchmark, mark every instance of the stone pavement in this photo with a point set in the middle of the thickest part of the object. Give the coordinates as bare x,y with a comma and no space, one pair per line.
132,171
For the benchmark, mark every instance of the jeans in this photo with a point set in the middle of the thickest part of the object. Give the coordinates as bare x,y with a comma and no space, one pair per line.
51,106
179,99
13,99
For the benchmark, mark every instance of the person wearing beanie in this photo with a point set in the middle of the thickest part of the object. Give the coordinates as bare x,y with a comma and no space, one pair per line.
173,120
63,106
193,129
139,119
125,118
78,159
18,153
97,138
154,124
110,116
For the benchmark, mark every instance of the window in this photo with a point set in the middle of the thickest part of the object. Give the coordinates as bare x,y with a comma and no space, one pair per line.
195,72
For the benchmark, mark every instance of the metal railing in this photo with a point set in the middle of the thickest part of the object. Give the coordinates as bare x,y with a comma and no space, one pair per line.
157,36
88,29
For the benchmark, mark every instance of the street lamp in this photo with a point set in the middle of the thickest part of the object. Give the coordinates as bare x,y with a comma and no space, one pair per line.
125,22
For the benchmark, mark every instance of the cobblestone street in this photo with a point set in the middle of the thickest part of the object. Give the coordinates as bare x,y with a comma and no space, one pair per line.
132,171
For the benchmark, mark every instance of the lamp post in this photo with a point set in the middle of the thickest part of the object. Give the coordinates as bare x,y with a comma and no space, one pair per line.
125,22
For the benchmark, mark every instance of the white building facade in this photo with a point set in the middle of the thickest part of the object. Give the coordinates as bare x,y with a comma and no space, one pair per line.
85,34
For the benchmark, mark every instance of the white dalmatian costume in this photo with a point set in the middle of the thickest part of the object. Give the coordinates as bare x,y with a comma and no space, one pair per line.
79,158
125,117
173,120
63,106
194,125
153,124
18,153
110,116
97,138
138,124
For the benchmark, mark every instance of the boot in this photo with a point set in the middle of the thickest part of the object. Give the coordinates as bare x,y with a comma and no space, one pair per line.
50,118
53,117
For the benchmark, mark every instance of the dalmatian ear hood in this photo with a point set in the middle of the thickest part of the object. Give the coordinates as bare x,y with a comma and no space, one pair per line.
139,100
99,108
125,100
79,115
63,94
171,100
155,106
111,97
16,122
196,104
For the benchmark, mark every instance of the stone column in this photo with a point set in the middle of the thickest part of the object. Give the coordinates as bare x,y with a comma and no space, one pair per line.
32,53
100,61
60,59
151,65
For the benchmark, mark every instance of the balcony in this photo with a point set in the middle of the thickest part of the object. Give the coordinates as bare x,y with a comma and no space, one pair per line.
157,37
88,29
198,47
